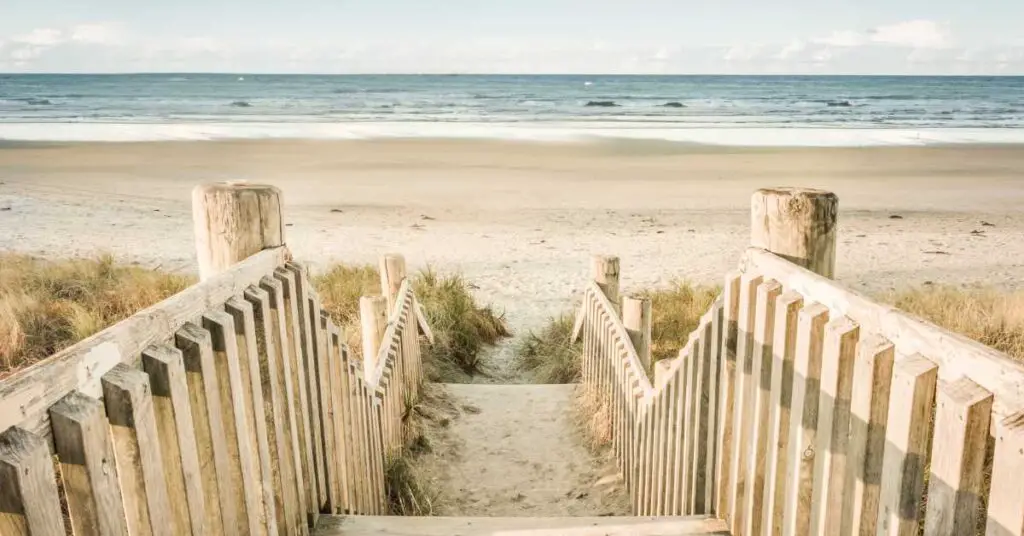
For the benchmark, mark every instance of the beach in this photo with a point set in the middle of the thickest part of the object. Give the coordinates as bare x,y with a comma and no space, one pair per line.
521,219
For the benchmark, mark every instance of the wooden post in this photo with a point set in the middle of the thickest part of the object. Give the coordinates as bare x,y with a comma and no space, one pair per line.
234,221
636,316
373,315
604,269
392,273
797,224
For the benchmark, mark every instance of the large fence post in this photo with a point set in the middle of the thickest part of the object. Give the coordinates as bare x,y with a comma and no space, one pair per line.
234,221
798,224
604,269
636,316
392,273
373,317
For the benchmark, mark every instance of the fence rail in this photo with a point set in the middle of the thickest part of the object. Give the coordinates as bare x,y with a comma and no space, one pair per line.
233,407
800,407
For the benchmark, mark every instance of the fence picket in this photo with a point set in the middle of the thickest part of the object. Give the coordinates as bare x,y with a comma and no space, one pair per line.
963,410
787,312
741,417
28,487
804,419
727,393
840,352
140,471
756,446
869,409
83,445
698,498
908,431
1006,498
166,369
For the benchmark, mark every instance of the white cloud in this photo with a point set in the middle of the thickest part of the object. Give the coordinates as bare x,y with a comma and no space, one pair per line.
792,49
743,52
843,38
911,34
41,37
914,34
915,46
98,33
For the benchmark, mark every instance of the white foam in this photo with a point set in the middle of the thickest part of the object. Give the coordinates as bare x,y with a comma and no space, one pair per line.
540,131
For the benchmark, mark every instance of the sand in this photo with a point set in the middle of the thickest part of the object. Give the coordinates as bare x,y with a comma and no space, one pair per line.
515,451
521,220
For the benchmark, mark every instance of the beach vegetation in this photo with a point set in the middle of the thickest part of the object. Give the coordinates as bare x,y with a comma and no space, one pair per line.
462,327
47,305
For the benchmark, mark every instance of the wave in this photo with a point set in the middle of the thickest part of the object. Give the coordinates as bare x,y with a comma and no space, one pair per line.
241,104
31,101
602,104
711,134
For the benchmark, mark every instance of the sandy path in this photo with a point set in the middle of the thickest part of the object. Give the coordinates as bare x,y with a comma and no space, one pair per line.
514,451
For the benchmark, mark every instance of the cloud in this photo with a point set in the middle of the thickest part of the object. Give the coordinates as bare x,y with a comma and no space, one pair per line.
794,48
743,52
914,34
910,34
98,33
41,37
843,38
910,47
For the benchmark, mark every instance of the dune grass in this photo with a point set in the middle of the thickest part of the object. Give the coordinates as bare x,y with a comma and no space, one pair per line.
993,318
675,313
549,354
48,305
462,327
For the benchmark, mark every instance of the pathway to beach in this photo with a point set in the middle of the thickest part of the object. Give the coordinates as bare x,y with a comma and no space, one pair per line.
521,221
514,450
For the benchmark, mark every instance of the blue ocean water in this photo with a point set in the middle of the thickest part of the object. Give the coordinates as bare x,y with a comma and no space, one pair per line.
758,110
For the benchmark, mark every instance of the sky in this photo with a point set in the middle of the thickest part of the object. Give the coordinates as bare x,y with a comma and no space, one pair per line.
515,36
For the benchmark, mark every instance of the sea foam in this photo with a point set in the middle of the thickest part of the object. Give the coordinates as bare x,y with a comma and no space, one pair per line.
551,132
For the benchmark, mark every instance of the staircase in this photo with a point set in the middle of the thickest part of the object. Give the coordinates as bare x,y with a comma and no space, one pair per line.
519,526
516,467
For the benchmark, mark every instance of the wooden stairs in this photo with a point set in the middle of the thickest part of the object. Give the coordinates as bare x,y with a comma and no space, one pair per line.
518,526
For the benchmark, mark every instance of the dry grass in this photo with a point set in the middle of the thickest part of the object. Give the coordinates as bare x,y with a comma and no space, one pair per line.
48,305
549,354
462,327
993,318
676,312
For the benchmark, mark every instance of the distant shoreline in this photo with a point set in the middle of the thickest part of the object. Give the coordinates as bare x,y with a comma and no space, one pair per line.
566,132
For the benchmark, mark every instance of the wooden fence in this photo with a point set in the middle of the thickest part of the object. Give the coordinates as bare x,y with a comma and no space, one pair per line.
233,407
800,407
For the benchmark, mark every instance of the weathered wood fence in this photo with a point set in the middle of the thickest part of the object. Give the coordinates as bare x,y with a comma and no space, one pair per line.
233,407
800,407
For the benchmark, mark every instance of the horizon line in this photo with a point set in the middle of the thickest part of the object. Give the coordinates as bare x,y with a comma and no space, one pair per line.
455,74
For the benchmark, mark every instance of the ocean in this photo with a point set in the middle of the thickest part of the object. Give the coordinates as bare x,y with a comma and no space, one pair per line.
725,110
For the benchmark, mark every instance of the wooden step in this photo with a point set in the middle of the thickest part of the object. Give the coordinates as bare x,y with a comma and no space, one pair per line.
518,526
